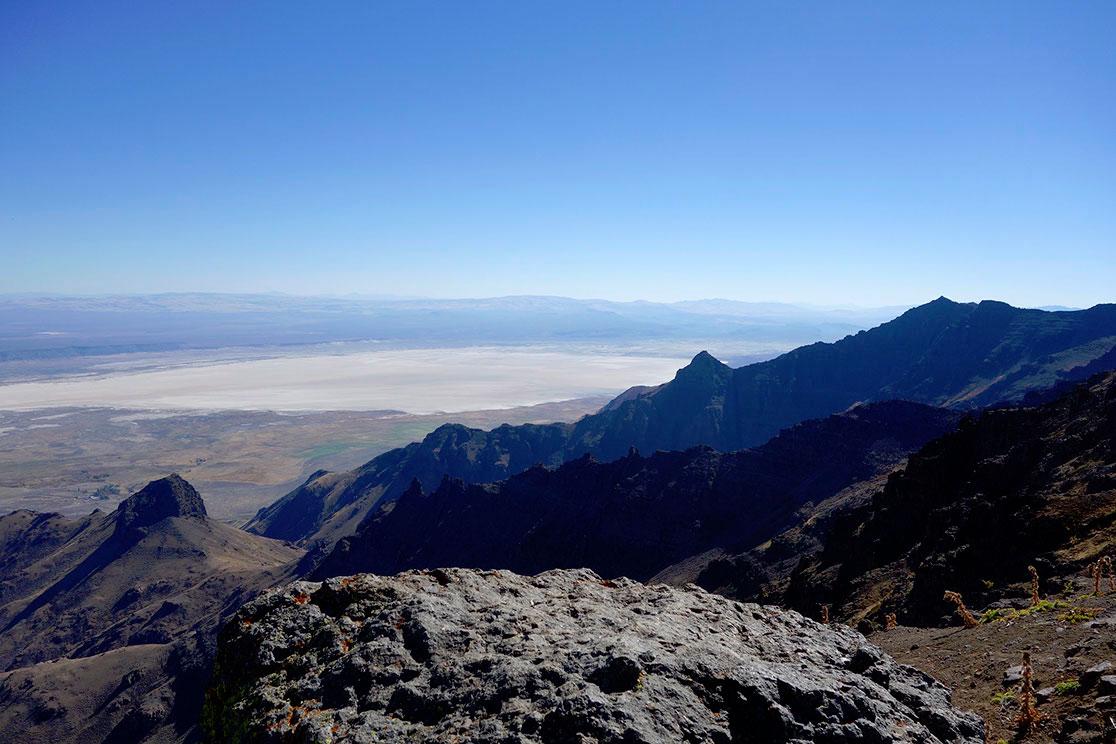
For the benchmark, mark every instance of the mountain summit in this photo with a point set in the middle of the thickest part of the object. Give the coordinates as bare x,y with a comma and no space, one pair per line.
158,500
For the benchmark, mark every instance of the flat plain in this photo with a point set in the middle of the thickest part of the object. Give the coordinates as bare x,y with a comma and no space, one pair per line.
74,460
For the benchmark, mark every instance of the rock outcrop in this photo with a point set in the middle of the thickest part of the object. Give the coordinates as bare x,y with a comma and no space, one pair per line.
158,500
461,655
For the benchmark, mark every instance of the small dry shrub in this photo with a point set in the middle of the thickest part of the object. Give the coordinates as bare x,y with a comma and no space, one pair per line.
962,611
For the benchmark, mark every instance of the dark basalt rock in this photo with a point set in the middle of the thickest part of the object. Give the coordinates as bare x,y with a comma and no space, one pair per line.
167,497
464,655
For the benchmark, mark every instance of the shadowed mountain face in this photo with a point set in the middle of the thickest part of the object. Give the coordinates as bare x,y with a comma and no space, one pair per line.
158,500
1012,488
943,353
330,505
137,593
635,515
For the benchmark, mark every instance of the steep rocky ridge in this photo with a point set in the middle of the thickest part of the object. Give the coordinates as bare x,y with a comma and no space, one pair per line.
970,511
458,655
636,515
942,353
331,505
132,600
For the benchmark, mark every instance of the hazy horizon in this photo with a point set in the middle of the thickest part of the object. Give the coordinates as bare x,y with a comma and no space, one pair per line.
386,298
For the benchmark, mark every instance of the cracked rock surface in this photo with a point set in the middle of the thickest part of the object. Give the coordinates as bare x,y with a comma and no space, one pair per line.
489,656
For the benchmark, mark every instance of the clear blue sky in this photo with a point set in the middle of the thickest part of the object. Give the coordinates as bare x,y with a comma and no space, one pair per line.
867,153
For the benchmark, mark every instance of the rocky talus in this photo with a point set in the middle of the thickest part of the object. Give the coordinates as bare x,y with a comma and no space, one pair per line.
489,656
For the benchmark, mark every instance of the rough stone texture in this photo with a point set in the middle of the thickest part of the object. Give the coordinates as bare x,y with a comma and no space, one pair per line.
461,655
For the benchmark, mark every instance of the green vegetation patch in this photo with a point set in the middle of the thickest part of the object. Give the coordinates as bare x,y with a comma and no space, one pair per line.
1079,614
1067,687
1003,698
1068,612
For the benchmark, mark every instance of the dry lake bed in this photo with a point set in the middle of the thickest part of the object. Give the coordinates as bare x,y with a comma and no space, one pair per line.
246,431
419,381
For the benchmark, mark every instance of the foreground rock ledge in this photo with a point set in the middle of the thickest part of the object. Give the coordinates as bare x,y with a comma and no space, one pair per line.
489,656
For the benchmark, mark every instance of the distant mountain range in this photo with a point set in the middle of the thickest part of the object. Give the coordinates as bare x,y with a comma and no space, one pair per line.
60,327
960,355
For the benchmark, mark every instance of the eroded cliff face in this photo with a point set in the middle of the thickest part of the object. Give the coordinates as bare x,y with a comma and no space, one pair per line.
565,656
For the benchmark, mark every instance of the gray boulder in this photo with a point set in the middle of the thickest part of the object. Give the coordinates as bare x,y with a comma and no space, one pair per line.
489,656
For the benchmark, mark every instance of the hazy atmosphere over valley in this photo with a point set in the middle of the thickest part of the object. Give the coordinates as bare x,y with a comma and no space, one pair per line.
557,374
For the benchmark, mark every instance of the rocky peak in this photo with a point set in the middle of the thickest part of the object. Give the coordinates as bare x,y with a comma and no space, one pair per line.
489,656
706,363
167,497
704,375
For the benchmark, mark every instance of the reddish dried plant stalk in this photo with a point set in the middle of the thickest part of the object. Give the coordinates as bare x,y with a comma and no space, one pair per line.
1034,585
962,611
824,614
1028,716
